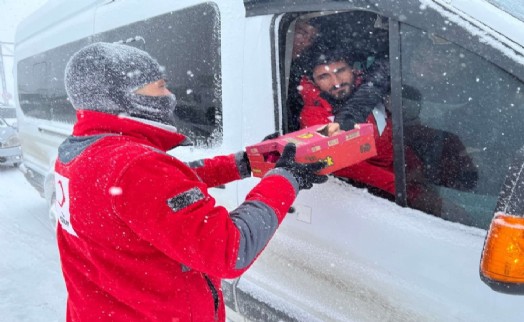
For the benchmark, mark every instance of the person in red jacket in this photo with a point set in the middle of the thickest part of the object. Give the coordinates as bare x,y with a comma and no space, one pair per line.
334,94
140,238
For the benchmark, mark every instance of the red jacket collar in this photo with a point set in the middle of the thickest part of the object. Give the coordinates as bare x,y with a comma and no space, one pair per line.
93,123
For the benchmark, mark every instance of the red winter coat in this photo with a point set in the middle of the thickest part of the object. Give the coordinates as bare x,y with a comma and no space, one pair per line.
140,238
377,171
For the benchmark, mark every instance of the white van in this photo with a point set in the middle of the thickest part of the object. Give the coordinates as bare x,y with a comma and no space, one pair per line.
345,252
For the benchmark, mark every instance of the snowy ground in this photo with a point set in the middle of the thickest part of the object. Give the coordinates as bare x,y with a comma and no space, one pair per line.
31,285
32,289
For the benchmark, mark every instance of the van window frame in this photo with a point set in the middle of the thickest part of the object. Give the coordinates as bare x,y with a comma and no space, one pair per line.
54,61
396,92
452,33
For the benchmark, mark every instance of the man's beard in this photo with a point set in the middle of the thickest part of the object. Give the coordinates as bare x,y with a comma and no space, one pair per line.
344,95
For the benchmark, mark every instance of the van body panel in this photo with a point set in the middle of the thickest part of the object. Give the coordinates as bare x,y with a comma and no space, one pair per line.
54,13
488,14
341,254
258,88
386,263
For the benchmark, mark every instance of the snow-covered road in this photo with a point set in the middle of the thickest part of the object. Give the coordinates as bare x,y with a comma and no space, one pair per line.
31,285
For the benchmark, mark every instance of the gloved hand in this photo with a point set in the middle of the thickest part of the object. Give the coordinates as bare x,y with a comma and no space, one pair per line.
373,90
304,173
243,161
243,165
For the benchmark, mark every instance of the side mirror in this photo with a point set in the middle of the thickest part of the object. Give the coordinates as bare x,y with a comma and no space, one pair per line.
502,261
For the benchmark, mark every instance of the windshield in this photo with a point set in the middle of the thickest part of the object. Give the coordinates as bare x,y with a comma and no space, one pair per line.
513,7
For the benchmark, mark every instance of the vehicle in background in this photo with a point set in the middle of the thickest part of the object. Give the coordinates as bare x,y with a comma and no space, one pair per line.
10,149
342,254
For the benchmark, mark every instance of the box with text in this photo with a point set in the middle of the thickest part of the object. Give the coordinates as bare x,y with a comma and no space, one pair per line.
339,151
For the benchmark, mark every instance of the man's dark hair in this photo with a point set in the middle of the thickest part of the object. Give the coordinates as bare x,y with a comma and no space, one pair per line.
322,55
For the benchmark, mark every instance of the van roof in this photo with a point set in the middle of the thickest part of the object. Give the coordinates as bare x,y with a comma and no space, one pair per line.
482,11
50,14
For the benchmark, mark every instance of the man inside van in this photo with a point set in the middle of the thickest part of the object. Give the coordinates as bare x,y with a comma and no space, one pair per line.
334,94
305,33
140,237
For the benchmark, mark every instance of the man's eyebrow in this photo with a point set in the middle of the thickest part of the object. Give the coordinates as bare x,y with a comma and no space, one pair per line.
321,74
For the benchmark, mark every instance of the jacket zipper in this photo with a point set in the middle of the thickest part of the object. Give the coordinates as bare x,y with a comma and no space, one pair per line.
214,292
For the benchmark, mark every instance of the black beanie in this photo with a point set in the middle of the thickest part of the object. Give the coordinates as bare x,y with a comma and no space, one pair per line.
323,55
99,76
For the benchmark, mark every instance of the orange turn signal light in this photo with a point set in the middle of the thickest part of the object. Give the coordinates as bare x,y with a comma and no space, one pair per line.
502,262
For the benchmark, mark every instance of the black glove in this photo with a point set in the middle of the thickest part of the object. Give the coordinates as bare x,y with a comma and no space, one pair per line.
304,173
373,90
243,165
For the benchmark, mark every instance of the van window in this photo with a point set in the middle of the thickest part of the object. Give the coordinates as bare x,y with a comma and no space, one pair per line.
463,121
363,39
41,90
187,44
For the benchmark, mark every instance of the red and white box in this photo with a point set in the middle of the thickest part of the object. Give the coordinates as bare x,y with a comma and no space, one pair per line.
339,151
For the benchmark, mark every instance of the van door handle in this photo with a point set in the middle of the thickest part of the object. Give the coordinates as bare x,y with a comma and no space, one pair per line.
54,131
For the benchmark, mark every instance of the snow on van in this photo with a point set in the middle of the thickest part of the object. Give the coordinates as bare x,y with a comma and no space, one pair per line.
347,250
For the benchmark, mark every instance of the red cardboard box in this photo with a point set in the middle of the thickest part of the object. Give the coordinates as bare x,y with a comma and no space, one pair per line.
339,151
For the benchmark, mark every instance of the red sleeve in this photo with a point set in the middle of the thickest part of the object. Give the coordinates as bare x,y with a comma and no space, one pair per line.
316,110
313,115
167,206
218,170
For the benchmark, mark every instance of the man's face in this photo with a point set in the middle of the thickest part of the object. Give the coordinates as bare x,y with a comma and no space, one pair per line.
305,34
335,79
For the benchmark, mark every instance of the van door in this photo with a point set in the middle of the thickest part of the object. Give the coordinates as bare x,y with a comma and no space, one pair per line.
200,45
343,254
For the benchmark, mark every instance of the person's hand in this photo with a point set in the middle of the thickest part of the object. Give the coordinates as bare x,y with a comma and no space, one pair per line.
329,129
333,128
243,164
304,173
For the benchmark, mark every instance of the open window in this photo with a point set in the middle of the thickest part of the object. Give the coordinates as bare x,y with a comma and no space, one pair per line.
363,37
363,34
